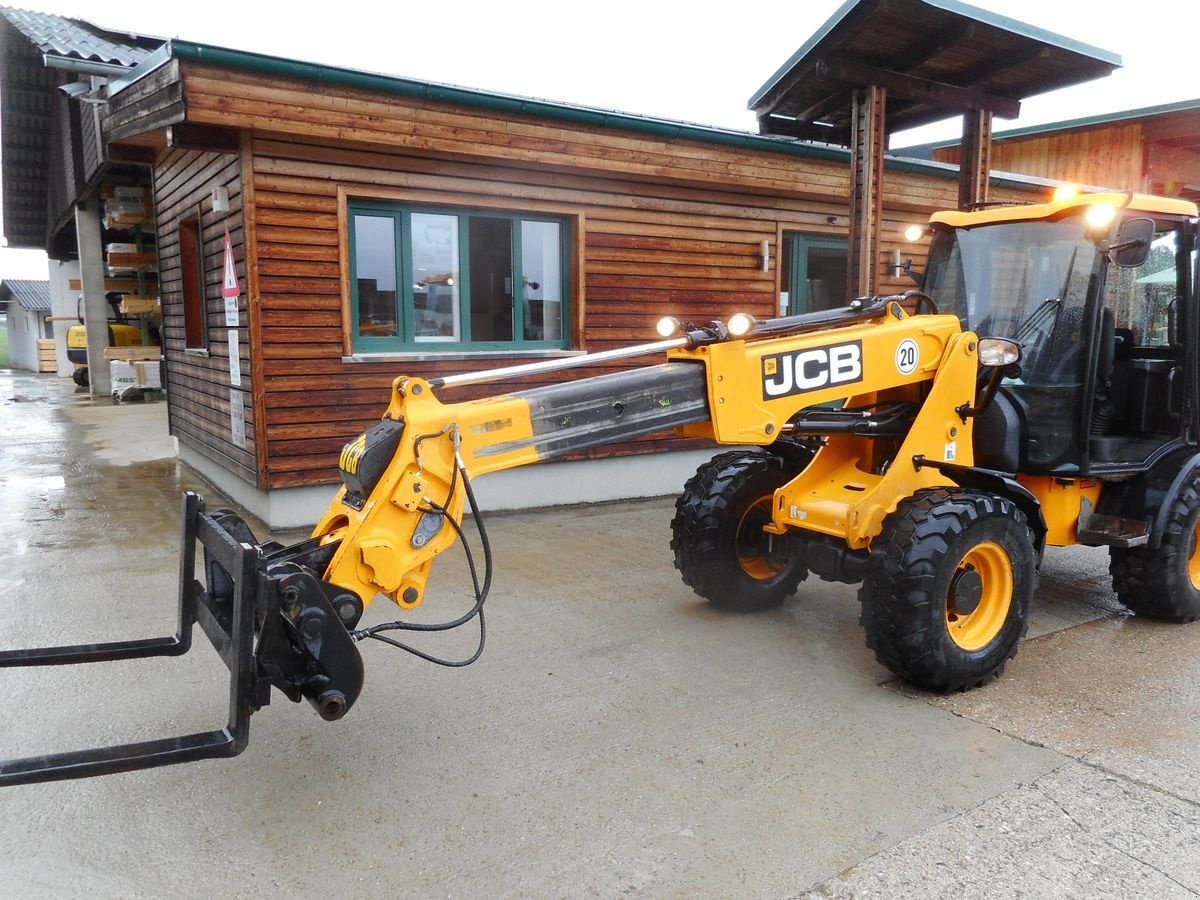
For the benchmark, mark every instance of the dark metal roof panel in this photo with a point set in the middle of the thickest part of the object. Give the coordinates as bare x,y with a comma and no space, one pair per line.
942,42
32,295
74,38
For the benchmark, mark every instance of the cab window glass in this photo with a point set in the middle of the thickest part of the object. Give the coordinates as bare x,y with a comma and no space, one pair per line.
1143,300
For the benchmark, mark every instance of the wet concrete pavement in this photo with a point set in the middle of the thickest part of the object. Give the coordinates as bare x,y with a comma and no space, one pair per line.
617,737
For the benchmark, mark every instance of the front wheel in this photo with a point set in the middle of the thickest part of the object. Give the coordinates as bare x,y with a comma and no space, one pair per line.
721,550
1163,582
948,599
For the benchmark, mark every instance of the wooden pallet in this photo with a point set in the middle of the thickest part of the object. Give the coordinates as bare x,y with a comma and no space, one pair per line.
132,353
47,359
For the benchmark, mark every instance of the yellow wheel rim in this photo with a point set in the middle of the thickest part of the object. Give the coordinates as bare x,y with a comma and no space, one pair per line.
752,542
1194,559
980,596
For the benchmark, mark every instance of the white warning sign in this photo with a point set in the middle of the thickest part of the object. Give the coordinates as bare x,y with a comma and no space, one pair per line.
229,288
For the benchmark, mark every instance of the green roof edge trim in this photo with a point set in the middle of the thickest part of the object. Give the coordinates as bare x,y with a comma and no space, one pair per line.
952,6
581,115
1124,115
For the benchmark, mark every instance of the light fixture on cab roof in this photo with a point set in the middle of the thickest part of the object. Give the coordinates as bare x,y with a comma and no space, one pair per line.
1100,216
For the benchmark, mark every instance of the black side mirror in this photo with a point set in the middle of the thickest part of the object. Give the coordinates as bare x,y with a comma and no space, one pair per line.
1133,243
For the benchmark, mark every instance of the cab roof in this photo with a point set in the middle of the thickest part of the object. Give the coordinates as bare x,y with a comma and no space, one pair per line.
1144,203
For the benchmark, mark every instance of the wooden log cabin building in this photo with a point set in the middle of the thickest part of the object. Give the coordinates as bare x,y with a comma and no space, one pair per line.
385,226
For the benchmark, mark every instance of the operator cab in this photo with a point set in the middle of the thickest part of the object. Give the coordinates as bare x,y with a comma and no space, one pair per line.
1096,291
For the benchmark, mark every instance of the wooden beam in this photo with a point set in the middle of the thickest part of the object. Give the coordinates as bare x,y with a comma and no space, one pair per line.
254,316
203,137
770,125
130,153
866,190
910,87
822,108
975,164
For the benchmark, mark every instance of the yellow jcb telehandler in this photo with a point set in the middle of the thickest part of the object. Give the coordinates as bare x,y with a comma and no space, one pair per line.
1041,389
120,334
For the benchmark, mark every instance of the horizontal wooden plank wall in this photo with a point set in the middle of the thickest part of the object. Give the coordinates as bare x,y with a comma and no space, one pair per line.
198,385
151,103
1110,157
668,226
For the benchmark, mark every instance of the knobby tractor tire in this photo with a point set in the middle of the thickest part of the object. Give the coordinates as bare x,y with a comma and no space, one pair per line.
720,549
1163,582
947,600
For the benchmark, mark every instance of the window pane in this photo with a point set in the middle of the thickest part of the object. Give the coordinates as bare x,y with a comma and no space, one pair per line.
1143,299
491,279
375,271
785,275
435,277
826,278
541,279
191,264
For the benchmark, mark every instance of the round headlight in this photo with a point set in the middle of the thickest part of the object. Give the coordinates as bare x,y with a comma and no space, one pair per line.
740,324
668,326
914,233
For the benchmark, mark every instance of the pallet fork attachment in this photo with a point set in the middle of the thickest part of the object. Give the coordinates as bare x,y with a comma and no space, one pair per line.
238,608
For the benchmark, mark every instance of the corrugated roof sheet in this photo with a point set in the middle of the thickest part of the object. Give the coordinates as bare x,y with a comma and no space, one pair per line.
32,295
75,38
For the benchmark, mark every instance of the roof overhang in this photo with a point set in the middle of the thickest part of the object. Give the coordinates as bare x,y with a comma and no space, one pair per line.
41,135
935,58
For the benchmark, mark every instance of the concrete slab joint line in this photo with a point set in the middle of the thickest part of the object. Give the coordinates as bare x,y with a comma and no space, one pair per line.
650,744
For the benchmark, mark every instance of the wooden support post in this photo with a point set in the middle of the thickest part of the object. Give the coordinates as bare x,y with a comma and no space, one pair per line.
95,306
976,161
867,146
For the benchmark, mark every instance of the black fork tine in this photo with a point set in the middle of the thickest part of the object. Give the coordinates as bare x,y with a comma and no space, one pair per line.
230,627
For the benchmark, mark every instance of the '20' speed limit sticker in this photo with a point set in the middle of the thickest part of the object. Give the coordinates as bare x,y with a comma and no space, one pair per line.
907,356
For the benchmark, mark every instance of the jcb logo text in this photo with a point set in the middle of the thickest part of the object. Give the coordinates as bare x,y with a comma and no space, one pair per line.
785,374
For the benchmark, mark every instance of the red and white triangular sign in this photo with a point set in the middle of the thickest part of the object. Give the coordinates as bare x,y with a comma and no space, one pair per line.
230,287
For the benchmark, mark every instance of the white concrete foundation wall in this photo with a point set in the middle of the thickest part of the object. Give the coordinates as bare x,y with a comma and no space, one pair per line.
22,338
543,484
64,306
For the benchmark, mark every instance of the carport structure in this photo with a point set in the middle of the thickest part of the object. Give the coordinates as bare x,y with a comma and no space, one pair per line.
882,66
57,164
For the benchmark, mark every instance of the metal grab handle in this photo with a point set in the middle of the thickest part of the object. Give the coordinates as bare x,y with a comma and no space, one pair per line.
230,627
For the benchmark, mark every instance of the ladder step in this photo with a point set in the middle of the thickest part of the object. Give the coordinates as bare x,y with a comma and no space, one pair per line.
1113,531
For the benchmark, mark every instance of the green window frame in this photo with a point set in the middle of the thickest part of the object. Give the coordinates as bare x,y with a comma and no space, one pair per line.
795,255
441,279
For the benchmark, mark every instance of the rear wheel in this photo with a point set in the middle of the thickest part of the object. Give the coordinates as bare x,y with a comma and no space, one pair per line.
947,602
1163,582
721,550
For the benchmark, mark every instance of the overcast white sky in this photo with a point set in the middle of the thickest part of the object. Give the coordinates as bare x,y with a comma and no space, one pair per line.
692,61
